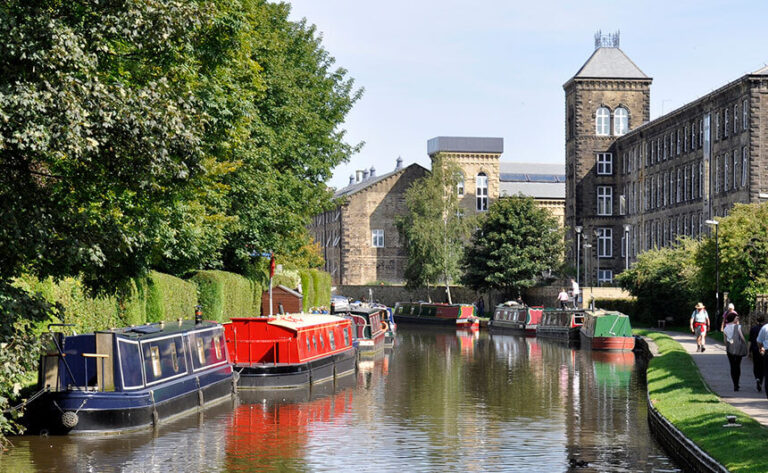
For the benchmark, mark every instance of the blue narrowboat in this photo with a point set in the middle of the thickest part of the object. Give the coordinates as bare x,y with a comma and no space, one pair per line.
133,378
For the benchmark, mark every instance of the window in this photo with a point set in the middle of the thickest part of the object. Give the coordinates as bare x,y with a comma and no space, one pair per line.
653,152
693,136
620,121
331,340
217,346
677,139
717,126
666,140
726,158
200,350
174,358
744,166
685,140
725,123
744,114
685,184
735,169
658,190
481,192
604,200
735,119
604,242
653,192
701,180
155,354
460,185
677,191
602,121
717,174
378,238
605,276
604,164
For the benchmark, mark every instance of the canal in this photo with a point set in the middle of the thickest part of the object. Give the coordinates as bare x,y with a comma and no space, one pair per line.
442,400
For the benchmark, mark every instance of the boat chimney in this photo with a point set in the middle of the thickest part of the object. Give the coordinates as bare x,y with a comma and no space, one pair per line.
198,314
373,171
399,163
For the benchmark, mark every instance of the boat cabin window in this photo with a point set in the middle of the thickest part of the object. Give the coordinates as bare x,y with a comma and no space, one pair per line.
200,351
308,346
322,342
314,343
174,358
130,364
154,352
207,347
331,340
217,347
346,336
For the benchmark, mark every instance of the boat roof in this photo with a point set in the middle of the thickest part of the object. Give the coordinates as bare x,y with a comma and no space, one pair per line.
300,321
159,329
364,309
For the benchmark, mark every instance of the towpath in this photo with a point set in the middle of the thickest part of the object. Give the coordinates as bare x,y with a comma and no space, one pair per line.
713,365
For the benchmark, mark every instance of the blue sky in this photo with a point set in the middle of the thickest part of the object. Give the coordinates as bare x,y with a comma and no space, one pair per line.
496,68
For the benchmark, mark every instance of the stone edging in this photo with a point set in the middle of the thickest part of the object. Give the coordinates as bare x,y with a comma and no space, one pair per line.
674,442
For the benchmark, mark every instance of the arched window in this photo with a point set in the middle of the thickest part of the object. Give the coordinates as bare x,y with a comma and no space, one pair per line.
620,121
460,184
603,121
481,192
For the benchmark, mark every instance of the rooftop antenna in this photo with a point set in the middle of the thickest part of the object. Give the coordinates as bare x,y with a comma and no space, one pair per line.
608,40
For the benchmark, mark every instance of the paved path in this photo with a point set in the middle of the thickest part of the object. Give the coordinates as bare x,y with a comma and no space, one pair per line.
714,368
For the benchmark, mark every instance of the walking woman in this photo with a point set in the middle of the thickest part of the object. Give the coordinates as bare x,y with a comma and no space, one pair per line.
700,325
735,346
754,351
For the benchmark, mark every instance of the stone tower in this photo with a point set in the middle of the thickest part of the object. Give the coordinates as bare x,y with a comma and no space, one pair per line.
606,98
478,158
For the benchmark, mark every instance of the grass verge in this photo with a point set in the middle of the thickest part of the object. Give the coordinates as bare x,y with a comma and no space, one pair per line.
677,390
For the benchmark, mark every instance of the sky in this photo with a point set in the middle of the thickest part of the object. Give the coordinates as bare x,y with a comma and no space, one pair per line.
497,68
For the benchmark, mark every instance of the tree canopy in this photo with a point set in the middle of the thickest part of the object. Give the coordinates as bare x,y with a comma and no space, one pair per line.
433,230
515,242
149,134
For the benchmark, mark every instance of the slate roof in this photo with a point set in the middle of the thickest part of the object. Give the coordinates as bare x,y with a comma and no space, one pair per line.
537,180
465,144
610,63
359,186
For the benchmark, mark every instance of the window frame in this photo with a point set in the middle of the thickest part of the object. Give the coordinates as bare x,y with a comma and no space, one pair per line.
603,121
604,164
605,242
481,192
377,238
604,200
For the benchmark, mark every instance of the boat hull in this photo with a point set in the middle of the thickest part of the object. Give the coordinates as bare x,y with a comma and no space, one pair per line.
296,375
370,346
104,413
609,343
558,333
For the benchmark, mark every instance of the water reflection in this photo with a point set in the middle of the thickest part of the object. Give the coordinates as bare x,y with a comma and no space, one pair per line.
442,400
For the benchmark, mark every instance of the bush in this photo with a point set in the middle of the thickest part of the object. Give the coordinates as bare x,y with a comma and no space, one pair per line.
169,297
224,295
625,306
321,282
307,289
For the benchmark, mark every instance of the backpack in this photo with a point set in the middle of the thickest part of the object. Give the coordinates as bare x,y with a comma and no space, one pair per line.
736,345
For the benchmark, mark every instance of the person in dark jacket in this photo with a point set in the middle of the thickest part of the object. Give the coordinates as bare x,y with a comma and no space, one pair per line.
754,351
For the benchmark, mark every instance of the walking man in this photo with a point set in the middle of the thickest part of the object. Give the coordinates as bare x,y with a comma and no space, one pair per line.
576,292
754,352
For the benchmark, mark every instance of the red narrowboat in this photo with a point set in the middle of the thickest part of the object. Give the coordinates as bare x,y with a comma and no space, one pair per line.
458,315
290,351
511,316
371,327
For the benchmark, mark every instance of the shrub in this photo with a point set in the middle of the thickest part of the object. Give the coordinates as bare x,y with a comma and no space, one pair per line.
224,295
169,297
321,282
625,306
307,289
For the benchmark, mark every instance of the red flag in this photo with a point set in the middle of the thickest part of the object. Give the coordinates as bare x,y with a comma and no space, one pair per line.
272,265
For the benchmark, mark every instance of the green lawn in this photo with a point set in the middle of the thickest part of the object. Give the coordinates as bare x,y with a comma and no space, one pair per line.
677,390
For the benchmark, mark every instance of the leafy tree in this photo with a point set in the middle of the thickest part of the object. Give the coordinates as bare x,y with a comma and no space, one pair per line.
743,242
665,281
434,230
515,242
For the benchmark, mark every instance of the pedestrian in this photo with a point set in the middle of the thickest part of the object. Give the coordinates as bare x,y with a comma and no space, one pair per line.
754,352
576,292
762,342
563,299
735,346
729,310
700,325
481,307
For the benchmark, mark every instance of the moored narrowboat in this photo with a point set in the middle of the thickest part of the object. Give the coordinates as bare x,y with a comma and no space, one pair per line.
515,317
127,379
457,315
562,324
290,351
370,324
607,330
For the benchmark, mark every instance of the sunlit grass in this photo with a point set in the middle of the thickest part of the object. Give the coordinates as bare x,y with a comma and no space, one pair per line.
678,392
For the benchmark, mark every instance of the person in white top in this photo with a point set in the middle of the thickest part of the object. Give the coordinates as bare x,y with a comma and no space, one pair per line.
700,325
562,298
575,293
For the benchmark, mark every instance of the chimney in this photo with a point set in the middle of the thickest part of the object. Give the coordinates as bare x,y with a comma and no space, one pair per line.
399,163
358,175
373,172
365,174
351,179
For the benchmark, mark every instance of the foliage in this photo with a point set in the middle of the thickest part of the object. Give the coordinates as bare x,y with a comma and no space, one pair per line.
322,288
433,230
224,295
625,306
515,242
665,281
22,319
307,288
169,298
104,172
743,243
678,392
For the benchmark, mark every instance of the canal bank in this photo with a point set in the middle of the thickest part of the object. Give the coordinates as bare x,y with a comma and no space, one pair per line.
690,394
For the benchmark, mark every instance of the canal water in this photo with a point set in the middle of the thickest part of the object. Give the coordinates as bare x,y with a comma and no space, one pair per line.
442,400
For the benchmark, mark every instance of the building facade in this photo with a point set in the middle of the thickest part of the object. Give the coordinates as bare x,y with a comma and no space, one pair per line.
634,184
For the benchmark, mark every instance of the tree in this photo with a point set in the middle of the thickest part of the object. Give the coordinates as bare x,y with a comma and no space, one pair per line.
515,242
743,242
665,281
433,230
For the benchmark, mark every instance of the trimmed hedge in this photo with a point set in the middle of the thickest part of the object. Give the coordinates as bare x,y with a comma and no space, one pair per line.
322,288
224,295
307,289
169,298
625,306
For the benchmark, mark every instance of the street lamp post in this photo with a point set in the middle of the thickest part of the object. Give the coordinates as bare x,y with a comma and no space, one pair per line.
715,223
626,246
597,269
578,229
587,246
